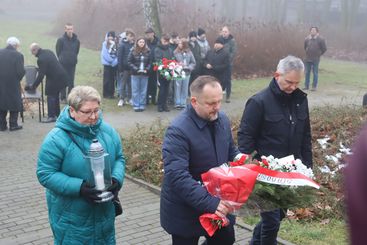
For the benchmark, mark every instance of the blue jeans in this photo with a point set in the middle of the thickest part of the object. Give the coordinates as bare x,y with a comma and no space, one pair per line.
314,65
139,86
181,91
266,231
119,84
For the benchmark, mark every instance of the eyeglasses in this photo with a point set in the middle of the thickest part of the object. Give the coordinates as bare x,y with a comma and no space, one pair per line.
90,113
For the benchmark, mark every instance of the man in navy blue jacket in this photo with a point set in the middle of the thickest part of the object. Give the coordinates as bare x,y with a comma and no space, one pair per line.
197,140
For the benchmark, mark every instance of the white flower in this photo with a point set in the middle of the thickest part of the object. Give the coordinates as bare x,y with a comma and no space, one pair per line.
166,74
160,68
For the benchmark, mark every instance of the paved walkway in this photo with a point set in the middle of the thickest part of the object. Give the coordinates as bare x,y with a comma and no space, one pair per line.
23,212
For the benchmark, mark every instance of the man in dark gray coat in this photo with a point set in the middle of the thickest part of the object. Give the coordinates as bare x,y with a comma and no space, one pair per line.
197,140
314,46
11,73
56,79
67,50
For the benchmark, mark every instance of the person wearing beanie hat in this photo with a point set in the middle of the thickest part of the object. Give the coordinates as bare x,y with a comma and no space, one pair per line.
203,43
216,61
192,34
201,31
11,73
219,40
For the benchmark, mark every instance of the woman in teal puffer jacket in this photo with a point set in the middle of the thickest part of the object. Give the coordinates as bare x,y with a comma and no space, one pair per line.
64,171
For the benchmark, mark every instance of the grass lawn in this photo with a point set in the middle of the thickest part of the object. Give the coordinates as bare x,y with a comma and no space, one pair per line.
310,232
334,74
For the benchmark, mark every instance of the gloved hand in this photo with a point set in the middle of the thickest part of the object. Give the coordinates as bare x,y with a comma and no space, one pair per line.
88,193
115,187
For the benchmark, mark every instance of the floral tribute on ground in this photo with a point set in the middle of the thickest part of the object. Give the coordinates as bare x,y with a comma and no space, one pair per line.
169,69
268,184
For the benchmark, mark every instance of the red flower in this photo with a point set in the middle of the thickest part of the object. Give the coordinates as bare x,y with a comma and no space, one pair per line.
212,222
155,68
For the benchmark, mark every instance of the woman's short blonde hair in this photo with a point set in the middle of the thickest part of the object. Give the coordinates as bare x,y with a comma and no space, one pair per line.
80,94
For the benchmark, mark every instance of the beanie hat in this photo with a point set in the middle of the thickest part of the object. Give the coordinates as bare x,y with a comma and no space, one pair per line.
201,31
192,34
111,34
220,40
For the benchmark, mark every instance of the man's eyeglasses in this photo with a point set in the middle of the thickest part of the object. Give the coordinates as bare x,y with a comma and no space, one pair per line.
90,113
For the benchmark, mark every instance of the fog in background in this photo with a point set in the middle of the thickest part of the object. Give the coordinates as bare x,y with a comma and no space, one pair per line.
264,29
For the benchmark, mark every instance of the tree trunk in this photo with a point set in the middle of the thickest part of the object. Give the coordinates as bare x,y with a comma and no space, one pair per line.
151,15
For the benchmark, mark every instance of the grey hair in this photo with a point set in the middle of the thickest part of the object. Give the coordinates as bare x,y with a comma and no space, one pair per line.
13,41
80,94
290,63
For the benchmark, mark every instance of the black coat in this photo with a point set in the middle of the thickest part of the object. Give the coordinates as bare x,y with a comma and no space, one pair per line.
49,66
123,54
219,59
134,62
67,50
276,123
11,73
195,49
161,52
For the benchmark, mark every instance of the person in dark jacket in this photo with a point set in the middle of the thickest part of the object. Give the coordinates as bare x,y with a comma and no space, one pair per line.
231,47
163,51
11,73
56,79
195,49
197,140
276,122
139,61
152,42
217,60
315,46
124,68
67,50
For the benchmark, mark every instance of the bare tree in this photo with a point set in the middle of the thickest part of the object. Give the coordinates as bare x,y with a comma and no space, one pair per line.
349,13
151,15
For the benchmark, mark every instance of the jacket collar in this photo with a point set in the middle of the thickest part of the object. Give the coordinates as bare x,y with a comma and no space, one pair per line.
297,94
200,122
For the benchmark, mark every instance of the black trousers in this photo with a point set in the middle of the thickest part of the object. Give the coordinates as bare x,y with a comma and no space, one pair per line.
53,105
13,118
109,79
223,236
152,86
163,92
70,70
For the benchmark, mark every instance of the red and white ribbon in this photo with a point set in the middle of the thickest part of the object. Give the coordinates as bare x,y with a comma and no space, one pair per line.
280,178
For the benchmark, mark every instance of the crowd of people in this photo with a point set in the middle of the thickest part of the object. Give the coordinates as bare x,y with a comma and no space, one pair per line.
128,66
275,122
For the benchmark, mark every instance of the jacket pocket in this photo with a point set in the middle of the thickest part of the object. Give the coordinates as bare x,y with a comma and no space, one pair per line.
301,121
275,124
